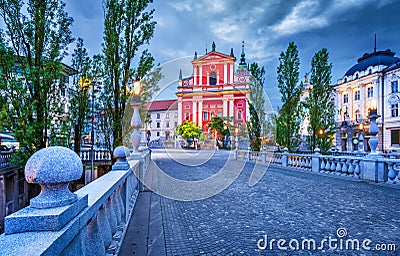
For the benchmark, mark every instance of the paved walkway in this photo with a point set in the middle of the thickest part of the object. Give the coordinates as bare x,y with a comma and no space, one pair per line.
299,207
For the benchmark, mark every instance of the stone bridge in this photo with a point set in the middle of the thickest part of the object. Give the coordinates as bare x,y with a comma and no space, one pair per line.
265,204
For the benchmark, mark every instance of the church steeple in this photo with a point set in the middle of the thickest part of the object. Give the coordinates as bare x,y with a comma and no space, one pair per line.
243,58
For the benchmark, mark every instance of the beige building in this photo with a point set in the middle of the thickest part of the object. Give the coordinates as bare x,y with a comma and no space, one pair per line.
374,79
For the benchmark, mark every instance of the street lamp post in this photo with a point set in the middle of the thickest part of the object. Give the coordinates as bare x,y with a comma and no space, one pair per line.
373,128
360,138
92,131
236,138
136,122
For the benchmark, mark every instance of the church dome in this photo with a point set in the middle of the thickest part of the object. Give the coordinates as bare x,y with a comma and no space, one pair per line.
385,58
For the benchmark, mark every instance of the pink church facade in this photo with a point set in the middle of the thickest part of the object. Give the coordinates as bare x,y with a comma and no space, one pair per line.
216,88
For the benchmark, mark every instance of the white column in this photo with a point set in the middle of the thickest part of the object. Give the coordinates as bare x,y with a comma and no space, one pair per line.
231,109
224,107
201,75
362,101
231,74
377,96
337,107
208,78
247,108
351,99
194,111
195,75
180,111
225,74
201,113
218,82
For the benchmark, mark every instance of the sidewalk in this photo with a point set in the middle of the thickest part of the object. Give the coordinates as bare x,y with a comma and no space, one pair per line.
145,235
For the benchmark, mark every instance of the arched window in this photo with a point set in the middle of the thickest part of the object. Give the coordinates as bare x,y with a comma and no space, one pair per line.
213,78
239,114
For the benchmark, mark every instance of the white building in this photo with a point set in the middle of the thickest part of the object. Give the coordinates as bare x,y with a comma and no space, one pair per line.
373,78
164,119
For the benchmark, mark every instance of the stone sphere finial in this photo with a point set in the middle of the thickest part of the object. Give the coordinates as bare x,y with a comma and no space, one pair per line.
53,168
121,153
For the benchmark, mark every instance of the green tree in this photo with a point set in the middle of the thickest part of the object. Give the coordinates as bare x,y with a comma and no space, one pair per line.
188,130
79,92
254,128
257,80
290,89
127,26
320,104
35,42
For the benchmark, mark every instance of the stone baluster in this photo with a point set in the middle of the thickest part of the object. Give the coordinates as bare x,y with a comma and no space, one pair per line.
357,171
328,165
338,168
350,170
95,242
322,168
391,173
344,167
333,165
105,227
112,218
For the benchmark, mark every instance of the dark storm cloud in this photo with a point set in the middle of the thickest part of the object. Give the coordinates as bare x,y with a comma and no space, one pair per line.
345,27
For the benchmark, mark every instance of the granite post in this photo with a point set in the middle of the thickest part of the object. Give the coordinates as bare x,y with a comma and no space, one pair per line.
52,168
315,161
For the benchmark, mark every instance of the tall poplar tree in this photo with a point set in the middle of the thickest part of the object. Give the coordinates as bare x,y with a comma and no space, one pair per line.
127,26
320,104
79,92
257,80
290,89
36,36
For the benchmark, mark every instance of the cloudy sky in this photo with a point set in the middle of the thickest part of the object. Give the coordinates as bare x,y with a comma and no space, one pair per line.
345,27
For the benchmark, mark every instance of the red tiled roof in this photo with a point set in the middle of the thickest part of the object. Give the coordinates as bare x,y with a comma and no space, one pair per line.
160,105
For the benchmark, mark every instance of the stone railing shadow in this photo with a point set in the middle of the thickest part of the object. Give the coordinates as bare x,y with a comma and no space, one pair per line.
91,221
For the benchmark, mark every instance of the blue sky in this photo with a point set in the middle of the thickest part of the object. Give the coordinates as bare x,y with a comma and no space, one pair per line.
345,27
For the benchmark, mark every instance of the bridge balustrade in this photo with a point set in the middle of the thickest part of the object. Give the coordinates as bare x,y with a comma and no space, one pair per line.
94,224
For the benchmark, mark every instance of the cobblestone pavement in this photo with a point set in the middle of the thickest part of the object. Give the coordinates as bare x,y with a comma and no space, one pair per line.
286,204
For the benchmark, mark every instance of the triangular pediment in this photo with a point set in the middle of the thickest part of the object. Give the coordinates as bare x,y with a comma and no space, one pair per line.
214,56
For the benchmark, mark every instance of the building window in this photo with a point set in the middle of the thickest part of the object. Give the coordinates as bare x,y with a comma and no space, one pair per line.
395,138
158,134
345,98
239,114
395,109
205,116
213,78
158,116
395,86
187,116
220,114
176,124
176,114
370,92
158,125
357,95
167,124
358,115
167,115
